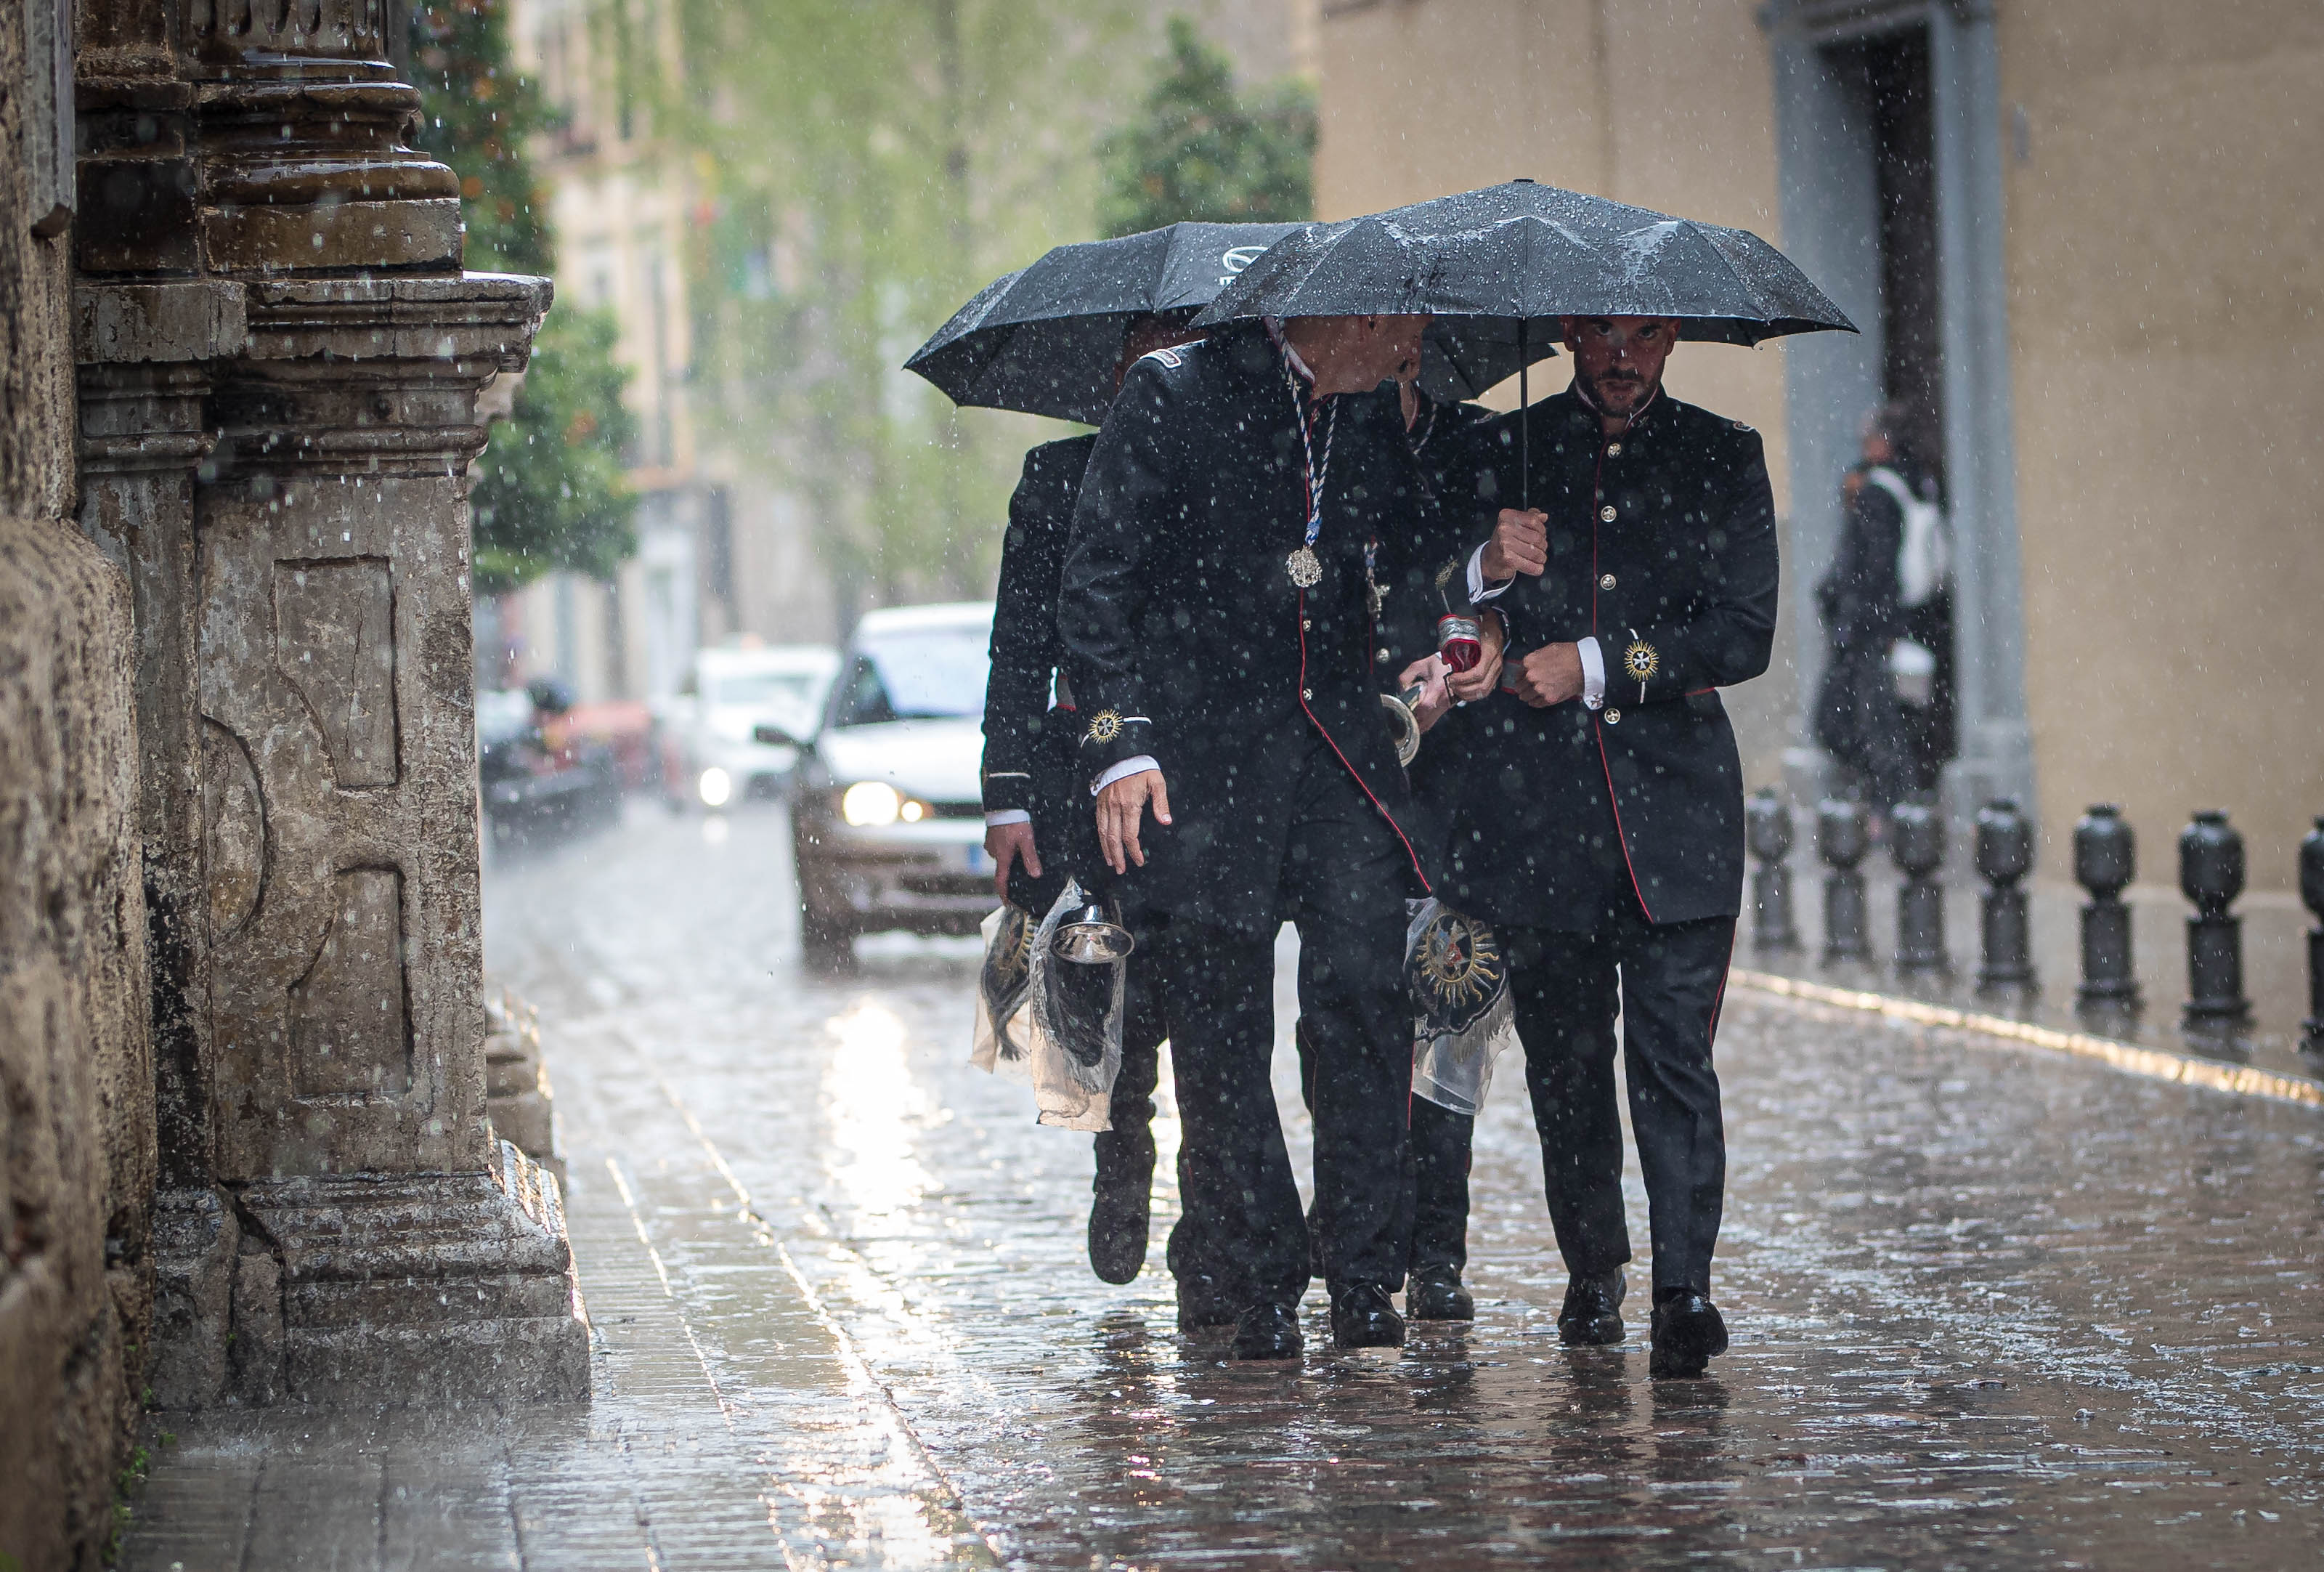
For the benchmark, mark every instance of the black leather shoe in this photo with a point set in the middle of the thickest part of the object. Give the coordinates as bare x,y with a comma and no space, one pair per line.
1202,1307
1268,1331
1436,1295
1593,1311
1117,1210
1362,1318
1688,1330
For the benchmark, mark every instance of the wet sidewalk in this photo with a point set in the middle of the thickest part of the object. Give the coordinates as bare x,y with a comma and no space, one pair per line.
1992,1306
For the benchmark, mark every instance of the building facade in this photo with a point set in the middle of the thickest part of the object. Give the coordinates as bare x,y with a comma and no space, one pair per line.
2081,237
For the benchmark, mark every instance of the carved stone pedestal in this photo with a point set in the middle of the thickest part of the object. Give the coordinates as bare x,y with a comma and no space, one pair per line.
422,1288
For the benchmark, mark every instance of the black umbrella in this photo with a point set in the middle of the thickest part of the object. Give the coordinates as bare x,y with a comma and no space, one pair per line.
1501,264
1045,339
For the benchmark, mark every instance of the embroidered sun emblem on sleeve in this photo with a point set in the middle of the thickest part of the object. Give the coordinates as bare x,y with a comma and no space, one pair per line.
1103,726
1641,661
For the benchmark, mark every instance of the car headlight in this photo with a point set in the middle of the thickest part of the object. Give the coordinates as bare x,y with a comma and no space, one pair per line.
715,787
870,802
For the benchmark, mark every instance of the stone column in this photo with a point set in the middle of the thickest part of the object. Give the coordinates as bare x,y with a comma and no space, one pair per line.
145,353
279,384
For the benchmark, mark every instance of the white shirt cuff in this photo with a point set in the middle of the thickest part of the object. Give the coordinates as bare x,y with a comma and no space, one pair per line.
1479,589
1137,767
1593,671
1001,816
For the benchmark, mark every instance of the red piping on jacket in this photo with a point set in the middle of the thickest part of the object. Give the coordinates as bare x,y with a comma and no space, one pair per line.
1597,717
1417,872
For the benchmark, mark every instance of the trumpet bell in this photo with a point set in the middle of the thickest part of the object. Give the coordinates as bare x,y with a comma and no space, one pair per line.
1091,938
1403,723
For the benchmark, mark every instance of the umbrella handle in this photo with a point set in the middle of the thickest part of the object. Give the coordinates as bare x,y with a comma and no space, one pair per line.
1524,426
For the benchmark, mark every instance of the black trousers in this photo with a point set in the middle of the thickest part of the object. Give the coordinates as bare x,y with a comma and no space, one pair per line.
1671,978
1435,1179
1343,880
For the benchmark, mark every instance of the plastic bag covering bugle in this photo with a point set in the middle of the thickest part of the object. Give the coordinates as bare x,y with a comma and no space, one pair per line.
1053,1023
1463,1017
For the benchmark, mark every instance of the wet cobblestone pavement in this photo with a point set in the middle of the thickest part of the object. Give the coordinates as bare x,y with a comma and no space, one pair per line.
1992,1307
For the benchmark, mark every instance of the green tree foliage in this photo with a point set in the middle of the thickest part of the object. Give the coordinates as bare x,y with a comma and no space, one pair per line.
865,169
551,491
1205,151
476,115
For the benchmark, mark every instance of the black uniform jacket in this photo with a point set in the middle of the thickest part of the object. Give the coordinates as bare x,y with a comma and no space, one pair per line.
1186,639
1028,748
1662,543
1444,446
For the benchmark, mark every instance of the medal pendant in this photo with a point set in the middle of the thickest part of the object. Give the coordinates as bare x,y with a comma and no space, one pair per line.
1307,572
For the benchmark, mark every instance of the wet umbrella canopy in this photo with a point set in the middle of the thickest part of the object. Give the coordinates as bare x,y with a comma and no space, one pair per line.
1506,261
1044,340
1509,260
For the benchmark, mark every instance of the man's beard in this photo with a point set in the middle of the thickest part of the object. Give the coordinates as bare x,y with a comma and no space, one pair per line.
1620,390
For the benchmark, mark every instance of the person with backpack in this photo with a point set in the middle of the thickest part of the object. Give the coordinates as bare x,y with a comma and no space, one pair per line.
1886,709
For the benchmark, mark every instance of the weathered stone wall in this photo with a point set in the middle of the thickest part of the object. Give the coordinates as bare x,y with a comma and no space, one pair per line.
75,1074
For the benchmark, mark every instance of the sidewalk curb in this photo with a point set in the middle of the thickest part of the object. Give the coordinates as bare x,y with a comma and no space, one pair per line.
2154,1064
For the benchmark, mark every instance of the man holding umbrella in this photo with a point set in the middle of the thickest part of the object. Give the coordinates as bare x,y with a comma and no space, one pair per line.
1602,834
1251,500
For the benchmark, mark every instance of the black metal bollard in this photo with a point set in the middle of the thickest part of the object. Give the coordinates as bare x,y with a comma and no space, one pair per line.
2106,860
2004,854
1768,819
1916,840
2211,875
1841,841
2311,896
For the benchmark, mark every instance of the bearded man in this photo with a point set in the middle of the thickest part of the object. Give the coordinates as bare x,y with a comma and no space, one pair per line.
1598,825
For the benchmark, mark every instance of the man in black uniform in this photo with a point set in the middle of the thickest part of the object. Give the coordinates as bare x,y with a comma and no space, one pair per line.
1034,810
1600,830
1249,499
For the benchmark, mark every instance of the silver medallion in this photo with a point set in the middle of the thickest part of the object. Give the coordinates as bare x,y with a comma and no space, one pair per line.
1305,571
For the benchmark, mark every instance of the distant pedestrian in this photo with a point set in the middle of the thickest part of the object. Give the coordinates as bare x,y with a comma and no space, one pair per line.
1886,709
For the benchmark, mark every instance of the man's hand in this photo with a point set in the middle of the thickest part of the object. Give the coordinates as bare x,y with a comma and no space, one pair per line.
1550,675
1121,806
1427,674
1480,680
1007,843
1520,544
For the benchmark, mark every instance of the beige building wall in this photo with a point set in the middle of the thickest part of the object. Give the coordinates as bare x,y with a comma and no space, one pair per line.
2165,256
2166,270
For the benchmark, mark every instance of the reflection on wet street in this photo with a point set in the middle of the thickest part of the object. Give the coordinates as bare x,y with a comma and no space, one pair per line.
1992,1308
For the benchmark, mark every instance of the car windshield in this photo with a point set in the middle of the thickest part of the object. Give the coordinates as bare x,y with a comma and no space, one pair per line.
926,674
789,691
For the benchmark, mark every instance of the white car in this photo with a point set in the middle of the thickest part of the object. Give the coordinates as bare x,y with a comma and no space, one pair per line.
887,812
710,752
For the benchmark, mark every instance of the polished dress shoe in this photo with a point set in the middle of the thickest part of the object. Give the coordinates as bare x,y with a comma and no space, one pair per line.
1593,1311
1362,1318
1118,1210
1203,1305
1435,1294
1688,1330
1268,1331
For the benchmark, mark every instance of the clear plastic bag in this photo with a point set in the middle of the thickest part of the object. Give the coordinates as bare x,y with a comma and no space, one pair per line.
1463,1017
1055,1024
